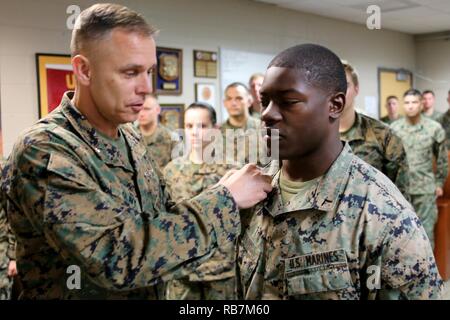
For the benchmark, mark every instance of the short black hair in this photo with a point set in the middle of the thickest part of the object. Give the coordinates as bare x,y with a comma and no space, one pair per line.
204,106
412,92
321,67
428,91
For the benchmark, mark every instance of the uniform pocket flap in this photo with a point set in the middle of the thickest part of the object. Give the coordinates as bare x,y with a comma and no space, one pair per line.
68,170
331,280
317,272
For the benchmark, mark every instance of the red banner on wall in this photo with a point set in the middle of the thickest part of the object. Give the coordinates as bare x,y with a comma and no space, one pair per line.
55,76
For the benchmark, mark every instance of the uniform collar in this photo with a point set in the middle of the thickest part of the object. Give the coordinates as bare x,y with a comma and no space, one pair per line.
103,148
154,138
323,195
414,127
357,131
251,123
200,168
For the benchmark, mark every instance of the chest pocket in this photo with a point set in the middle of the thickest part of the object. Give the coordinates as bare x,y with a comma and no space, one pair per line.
77,188
248,257
423,147
313,274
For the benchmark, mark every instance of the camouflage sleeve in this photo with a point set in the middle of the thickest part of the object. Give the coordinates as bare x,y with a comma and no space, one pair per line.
119,248
11,252
440,153
3,236
409,269
171,184
397,168
7,239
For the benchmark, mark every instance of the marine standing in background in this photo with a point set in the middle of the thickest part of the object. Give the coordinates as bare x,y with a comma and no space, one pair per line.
429,109
372,140
392,106
424,139
254,84
159,140
245,130
185,178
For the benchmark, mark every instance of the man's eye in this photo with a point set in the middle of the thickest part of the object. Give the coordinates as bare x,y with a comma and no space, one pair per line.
130,73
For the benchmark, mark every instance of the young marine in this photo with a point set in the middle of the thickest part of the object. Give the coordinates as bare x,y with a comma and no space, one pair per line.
333,226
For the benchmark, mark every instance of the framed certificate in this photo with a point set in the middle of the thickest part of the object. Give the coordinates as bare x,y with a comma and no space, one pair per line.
54,77
167,79
172,116
205,64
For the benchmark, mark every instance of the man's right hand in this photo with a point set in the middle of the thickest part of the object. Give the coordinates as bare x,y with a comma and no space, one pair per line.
248,185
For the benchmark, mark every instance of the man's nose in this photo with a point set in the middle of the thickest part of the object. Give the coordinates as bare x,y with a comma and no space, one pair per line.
271,114
145,84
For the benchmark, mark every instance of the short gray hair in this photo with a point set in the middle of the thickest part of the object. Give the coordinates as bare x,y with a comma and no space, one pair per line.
97,21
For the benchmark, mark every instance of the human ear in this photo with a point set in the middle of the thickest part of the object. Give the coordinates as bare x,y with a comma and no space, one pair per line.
337,105
81,69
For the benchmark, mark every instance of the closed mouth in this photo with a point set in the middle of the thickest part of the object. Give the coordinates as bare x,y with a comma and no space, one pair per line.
136,106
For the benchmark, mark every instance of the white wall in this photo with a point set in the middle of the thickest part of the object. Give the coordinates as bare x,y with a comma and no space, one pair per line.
27,27
433,69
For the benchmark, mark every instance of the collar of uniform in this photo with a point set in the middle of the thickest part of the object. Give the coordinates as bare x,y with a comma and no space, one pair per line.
413,127
322,196
155,137
357,131
101,146
201,168
251,123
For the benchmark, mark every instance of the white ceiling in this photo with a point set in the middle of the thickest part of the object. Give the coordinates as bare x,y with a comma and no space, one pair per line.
410,16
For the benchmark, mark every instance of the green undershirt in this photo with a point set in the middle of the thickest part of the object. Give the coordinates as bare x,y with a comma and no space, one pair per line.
290,188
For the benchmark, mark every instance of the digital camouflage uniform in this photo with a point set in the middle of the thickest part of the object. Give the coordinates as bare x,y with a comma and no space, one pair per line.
160,145
7,251
251,129
387,120
73,199
422,142
184,180
444,120
351,233
379,146
254,114
436,115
